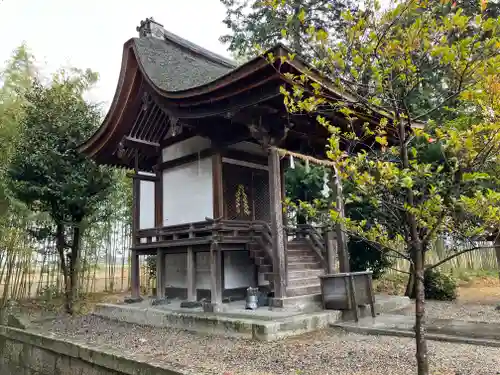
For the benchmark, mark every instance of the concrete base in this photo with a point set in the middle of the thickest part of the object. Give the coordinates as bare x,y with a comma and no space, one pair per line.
212,307
299,303
234,321
130,300
384,304
467,332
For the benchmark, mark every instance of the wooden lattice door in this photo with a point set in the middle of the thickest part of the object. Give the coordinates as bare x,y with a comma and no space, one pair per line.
246,193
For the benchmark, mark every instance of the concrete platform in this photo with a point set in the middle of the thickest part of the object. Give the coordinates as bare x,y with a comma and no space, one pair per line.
261,324
451,330
234,320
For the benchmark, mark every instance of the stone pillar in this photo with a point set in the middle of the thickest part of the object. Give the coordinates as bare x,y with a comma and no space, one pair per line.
278,237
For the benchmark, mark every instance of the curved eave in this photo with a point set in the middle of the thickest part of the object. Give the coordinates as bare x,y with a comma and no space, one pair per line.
128,80
133,73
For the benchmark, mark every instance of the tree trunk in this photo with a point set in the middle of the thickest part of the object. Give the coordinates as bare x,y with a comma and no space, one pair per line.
60,246
422,360
497,251
296,42
75,265
410,286
417,252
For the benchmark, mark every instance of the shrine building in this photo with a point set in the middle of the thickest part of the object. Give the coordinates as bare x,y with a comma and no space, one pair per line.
203,136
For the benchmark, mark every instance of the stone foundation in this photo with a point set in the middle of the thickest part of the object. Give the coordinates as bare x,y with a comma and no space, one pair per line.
240,324
30,353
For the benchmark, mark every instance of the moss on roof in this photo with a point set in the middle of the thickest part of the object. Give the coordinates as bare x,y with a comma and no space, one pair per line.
175,64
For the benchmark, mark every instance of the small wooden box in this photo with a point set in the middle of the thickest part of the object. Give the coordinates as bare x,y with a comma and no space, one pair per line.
347,291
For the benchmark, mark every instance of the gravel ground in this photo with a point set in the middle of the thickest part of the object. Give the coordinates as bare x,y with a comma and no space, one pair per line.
325,352
462,311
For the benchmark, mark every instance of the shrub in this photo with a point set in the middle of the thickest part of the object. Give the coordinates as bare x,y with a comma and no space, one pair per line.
362,257
439,286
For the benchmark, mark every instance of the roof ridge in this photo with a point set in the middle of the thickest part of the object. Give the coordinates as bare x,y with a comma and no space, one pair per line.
221,60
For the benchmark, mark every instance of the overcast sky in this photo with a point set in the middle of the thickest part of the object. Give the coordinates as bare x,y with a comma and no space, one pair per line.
91,33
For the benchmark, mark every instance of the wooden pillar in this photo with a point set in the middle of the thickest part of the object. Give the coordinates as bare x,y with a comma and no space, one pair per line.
136,208
279,255
330,250
134,266
191,274
217,185
159,199
215,277
215,252
160,274
135,276
283,166
340,228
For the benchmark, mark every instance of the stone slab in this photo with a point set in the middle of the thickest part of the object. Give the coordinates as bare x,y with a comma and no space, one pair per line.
270,327
469,332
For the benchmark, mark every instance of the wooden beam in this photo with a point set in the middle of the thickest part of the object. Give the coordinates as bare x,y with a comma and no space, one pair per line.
141,177
278,237
186,134
185,159
245,164
245,156
149,148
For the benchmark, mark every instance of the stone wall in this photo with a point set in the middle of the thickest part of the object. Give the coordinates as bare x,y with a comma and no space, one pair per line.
31,353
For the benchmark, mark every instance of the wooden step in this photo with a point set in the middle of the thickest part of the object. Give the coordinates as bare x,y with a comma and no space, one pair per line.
260,261
304,265
297,245
298,252
303,290
304,273
265,268
308,281
302,258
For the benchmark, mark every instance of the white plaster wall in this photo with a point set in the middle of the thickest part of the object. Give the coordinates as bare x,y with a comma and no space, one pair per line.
176,270
238,270
188,193
187,189
186,147
203,280
147,205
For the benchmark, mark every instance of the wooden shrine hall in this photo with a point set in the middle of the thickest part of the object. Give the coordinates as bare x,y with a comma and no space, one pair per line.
202,135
